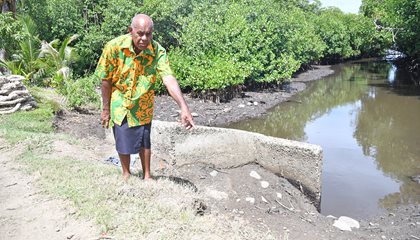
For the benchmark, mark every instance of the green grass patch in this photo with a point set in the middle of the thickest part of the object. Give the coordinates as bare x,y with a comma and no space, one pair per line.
134,210
23,125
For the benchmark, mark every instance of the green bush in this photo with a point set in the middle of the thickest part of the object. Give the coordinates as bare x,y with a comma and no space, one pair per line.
82,92
219,44
402,16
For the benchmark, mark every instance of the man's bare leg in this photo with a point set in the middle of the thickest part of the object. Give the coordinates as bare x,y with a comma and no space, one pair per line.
125,163
145,162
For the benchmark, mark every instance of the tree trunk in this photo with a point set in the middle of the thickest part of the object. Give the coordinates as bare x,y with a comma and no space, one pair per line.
8,6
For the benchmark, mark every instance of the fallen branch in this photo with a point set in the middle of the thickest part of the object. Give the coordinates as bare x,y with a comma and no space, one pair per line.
11,110
13,95
13,102
292,210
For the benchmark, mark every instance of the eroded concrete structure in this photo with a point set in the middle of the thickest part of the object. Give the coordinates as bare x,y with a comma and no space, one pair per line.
300,163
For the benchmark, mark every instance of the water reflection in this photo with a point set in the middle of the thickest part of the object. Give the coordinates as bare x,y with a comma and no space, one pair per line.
370,133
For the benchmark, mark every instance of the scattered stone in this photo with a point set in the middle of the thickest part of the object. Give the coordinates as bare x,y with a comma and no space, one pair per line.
238,200
249,103
70,236
255,103
194,114
57,229
218,195
331,216
241,105
250,199
346,224
255,175
264,184
341,225
383,237
227,109
263,199
279,195
416,178
214,173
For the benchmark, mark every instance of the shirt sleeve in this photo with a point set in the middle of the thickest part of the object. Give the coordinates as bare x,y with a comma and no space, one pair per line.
106,64
163,63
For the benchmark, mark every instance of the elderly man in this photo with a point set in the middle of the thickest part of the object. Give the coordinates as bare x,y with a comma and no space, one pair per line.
128,68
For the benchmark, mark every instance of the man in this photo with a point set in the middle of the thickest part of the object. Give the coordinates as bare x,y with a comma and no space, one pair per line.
128,68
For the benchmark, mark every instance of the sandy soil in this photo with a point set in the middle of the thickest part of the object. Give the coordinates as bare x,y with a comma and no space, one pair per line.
279,208
28,213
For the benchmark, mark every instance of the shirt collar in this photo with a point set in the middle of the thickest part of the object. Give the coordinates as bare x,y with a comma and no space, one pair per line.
128,43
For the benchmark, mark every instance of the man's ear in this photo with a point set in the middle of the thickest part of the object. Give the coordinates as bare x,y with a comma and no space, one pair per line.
129,29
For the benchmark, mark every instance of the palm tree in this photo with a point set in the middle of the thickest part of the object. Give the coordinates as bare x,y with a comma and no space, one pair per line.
60,56
25,62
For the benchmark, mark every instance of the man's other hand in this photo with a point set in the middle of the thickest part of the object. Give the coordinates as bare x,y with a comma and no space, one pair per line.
105,117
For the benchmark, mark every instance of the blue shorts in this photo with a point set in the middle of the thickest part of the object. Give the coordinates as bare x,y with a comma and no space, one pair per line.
129,140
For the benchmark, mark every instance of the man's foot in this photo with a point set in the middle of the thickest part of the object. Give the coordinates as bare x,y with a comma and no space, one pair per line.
148,178
126,176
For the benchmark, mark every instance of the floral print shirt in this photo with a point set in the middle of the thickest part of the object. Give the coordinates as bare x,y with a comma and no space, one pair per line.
133,78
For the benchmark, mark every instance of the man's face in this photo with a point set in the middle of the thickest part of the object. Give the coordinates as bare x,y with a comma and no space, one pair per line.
141,33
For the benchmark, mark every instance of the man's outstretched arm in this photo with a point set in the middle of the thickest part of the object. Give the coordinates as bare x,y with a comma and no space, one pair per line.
173,88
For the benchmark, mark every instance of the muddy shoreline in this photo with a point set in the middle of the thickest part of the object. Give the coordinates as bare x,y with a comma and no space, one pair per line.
253,103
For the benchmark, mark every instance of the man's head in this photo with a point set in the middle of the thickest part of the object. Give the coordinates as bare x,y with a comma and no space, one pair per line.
141,30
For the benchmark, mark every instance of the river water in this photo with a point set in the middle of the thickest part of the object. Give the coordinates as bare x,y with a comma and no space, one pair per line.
366,118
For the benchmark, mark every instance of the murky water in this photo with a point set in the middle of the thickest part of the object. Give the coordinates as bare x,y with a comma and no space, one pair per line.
367,121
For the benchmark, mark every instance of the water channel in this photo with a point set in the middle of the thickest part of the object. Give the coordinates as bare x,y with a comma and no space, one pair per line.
367,120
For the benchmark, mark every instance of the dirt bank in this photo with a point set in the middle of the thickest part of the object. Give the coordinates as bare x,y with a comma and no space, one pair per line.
252,105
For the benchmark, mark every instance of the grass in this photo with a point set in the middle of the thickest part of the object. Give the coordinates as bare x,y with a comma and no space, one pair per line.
135,210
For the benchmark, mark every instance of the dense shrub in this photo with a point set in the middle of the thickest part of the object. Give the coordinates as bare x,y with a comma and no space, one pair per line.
226,43
82,91
399,16
214,44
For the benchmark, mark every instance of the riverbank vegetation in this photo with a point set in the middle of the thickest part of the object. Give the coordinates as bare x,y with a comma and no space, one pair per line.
215,46
402,20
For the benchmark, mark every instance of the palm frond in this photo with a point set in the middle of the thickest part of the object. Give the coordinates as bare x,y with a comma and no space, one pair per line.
65,50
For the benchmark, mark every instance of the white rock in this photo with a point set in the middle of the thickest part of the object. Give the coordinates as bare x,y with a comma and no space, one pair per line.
255,103
279,195
345,223
264,184
250,199
241,105
218,195
349,221
238,200
214,173
255,175
341,225
331,216
263,199
249,103
194,114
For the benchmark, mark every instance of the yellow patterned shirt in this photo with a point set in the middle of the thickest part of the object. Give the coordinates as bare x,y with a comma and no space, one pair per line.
133,78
